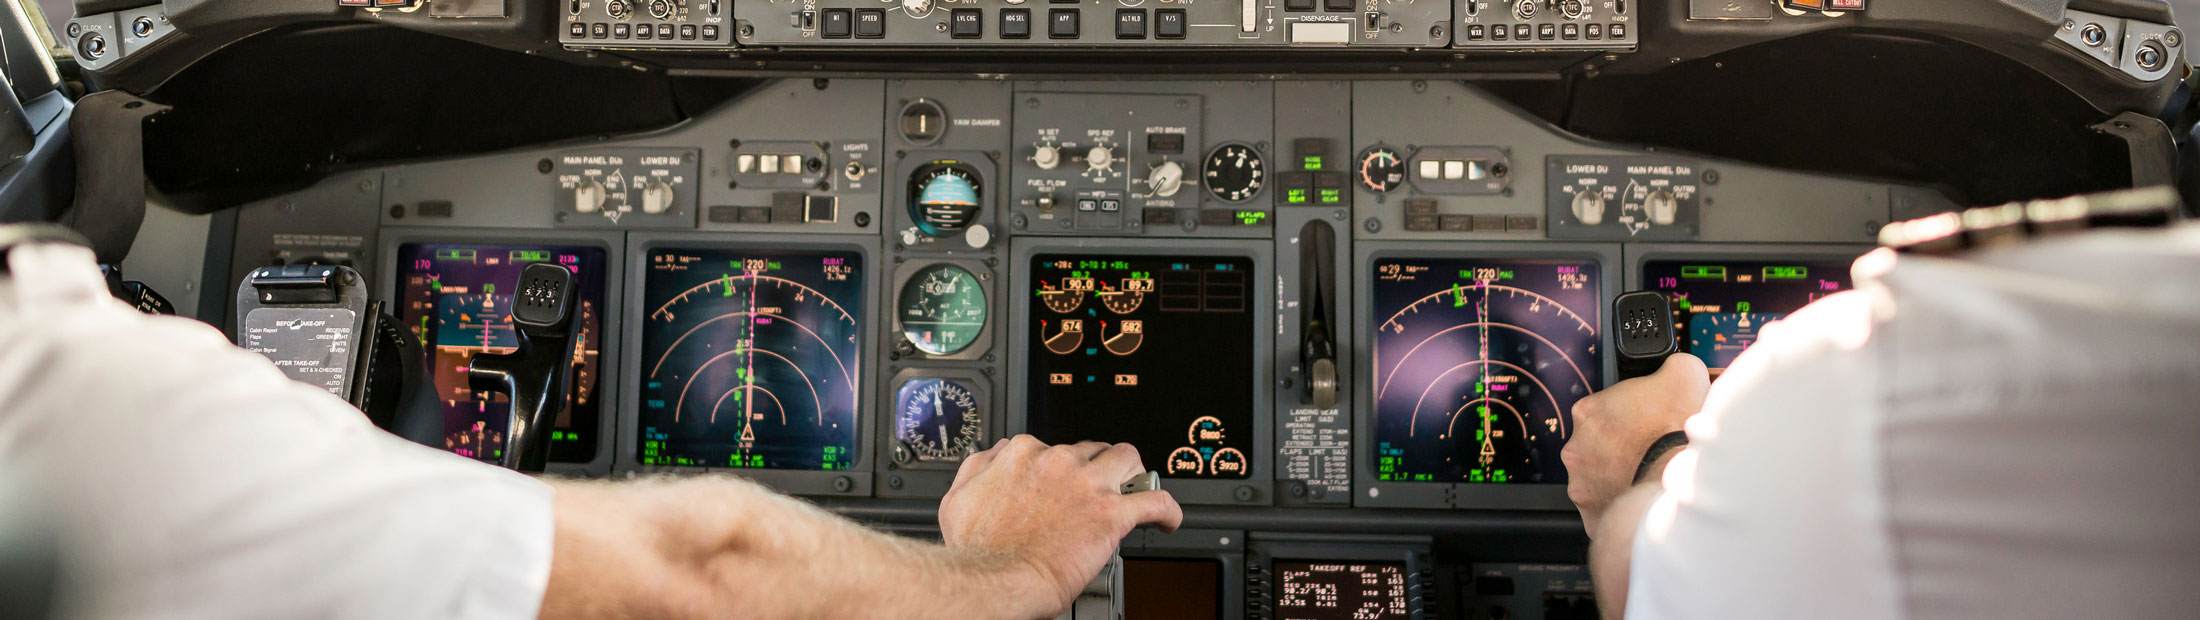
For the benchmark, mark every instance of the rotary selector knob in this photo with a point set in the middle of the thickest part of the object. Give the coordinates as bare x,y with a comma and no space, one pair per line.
1663,207
1572,9
1100,158
588,196
1166,179
660,9
1589,207
618,9
1046,157
1525,9
656,197
916,7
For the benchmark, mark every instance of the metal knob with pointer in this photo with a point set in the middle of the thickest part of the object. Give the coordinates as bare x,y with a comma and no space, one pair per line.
538,375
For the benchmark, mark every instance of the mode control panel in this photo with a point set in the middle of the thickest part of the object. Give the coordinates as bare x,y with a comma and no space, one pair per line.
1546,24
1108,23
647,23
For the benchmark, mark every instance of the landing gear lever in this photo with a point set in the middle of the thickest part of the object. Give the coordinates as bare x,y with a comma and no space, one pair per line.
537,376
1317,312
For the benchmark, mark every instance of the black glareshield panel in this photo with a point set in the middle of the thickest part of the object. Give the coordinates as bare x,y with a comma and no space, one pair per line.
1341,590
1720,305
1477,365
1149,350
457,299
750,358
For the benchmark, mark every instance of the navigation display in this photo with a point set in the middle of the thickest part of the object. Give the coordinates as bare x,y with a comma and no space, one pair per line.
1478,363
1155,351
457,299
1719,306
1341,591
751,358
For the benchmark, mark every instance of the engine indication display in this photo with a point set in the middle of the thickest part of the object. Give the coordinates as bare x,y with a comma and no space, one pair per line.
1478,363
937,420
751,358
1154,351
943,309
1719,306
456,299
1341,591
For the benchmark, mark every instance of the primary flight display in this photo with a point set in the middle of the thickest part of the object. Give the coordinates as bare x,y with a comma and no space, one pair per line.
751,358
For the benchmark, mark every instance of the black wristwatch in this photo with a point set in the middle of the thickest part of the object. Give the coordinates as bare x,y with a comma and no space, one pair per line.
1658,449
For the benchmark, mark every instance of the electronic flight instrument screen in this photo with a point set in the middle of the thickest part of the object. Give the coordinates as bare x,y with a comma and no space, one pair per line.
457,298
1155,351
1478,363
1161,589
1720,306
1341,591
751,358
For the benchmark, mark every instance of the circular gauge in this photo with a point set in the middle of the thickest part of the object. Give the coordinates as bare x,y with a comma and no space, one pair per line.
1126,298
936,420
923,121
1207,430
1186,462
1381,169
1234,172
478,442
942,309
943,197
1227,462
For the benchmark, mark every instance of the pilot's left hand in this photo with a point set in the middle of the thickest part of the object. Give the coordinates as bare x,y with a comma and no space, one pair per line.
1613,428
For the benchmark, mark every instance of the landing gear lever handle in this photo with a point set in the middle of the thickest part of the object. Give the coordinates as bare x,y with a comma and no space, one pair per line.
537,376
1317,313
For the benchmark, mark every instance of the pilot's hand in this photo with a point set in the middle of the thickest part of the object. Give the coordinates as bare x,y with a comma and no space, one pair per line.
1057,508
1613,428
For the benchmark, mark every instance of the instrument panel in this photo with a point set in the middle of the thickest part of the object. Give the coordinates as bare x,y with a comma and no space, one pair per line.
1327,317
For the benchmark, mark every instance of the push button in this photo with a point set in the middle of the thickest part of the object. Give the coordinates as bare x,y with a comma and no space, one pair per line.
1569,31
1062,24
968,23
1619,31
1015,23
1130,23
1546,31
1477,32
871,23
1298,6
687,32
1338,5
664,31
1168,23
1521,32
1500,32
577,30
1593,31
599,30
621,31
837,24
710,33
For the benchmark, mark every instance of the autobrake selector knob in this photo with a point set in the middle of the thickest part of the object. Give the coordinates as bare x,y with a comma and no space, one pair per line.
1166,179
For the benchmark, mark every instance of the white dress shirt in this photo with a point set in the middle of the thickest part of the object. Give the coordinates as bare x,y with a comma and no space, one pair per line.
2010,434
195,481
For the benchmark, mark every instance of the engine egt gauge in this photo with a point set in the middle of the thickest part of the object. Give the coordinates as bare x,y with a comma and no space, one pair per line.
937,420
1478,364
751,358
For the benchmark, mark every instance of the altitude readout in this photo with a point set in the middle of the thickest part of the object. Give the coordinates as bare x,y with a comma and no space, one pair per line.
937,420
1341,591
942,309
457,299
751,358
1155,351
1719,307
1478,364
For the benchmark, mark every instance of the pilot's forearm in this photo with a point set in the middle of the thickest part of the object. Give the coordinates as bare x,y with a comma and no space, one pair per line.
1611,550
722,548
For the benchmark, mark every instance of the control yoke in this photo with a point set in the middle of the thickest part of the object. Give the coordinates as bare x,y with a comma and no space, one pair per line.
537,376
1317,312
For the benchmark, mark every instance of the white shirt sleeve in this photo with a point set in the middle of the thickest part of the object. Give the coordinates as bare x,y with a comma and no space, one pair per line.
1772,511
197,481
